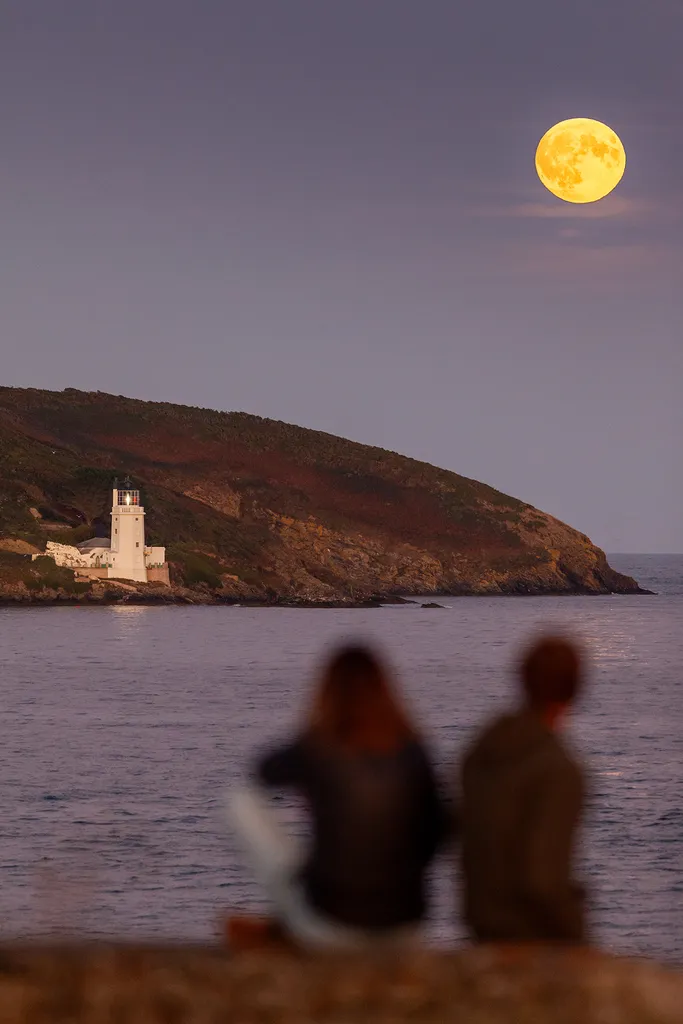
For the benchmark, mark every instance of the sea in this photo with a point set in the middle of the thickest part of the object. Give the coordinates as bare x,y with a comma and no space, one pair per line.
124,728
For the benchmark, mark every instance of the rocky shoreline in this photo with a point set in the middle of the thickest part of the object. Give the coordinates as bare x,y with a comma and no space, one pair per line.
133,984
151,595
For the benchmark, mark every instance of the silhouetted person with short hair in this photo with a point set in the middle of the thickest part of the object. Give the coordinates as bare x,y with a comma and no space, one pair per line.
376,816
522,796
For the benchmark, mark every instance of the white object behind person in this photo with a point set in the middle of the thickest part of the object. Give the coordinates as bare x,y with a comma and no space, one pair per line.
277,858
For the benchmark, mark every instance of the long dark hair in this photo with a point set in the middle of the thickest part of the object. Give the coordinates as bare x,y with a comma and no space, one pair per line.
355,706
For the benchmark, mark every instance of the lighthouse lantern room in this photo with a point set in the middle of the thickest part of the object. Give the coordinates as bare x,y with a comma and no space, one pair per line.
125,493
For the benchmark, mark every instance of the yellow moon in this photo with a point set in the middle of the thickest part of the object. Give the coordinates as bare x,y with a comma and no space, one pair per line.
580,160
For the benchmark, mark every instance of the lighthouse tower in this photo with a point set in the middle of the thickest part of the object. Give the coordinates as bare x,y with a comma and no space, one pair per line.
127,533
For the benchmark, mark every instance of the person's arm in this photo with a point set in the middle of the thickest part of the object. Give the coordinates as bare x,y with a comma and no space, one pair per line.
283,767
547,871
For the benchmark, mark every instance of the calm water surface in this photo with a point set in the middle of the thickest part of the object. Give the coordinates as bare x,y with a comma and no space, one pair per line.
121,728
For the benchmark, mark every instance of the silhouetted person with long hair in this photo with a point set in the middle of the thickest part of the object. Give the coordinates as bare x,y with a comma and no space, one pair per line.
522,796
376,817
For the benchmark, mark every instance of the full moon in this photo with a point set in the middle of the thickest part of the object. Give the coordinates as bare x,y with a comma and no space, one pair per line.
580,160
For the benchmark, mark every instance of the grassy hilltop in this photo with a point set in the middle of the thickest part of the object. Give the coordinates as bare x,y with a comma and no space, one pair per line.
252,508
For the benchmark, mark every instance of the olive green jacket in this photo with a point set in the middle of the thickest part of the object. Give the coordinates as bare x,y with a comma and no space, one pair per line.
522,796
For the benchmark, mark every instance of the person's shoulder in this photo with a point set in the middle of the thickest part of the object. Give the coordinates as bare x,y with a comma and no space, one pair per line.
488,733
414,746
416,751
411,758
564,760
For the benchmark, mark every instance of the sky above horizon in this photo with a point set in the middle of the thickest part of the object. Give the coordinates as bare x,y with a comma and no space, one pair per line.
329,214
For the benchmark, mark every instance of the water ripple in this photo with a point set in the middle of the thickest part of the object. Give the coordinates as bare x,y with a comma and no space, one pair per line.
121,728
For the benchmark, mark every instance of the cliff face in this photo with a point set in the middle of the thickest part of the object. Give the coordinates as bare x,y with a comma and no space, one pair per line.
253,508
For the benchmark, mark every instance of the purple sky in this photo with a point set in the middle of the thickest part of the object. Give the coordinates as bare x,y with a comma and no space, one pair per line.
328,213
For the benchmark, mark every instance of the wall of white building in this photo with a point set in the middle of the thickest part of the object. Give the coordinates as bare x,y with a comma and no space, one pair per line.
155,556
128,543
71,557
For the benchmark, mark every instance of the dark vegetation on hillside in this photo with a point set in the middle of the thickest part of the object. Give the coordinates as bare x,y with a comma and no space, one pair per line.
257,507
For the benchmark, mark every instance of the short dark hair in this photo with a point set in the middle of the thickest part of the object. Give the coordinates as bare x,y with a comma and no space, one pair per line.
551,672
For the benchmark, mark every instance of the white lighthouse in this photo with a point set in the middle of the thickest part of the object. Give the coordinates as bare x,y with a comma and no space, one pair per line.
127,533
123,555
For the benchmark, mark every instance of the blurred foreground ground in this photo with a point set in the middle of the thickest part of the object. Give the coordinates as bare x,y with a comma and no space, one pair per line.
203,985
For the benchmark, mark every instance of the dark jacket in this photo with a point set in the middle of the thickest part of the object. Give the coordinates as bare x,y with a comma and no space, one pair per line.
377,821
522,797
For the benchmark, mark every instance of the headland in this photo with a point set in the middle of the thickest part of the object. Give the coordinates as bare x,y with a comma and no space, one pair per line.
251,510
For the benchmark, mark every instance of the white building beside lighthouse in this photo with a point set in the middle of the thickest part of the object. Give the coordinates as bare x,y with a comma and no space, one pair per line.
124,555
